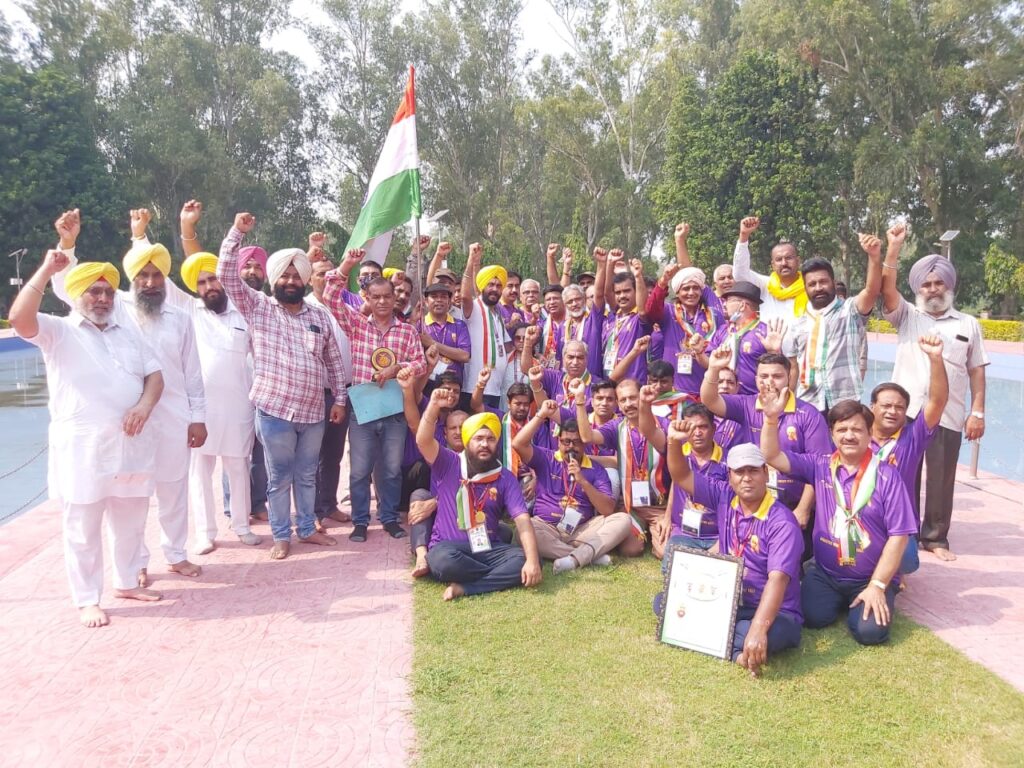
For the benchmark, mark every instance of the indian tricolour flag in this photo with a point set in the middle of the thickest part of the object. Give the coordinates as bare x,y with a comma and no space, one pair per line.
393,197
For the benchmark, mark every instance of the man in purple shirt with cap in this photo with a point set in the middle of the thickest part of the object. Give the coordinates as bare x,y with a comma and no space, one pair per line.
745,336
760,531
574,517
901,442
802,426
473,490
862,524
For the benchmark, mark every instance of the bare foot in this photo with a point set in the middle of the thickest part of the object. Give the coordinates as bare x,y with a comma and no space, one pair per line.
421,568
92,616
205,546
320,527
943,554
319,538
453,591
262,516
340,517
143,578
185,568
138,593
280,550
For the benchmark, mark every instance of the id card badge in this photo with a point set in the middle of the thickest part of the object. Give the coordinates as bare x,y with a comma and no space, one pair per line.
691,520
640,491
684,363
441,367
570,520
479,541
609,359
773,482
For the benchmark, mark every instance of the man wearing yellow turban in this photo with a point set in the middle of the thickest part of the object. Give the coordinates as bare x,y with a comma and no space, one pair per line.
473,491
179,418
782,293
102,458
490,345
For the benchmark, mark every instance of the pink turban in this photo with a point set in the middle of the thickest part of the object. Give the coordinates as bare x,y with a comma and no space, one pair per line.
252,252
940,265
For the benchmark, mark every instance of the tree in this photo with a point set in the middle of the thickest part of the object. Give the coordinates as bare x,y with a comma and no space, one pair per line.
753,144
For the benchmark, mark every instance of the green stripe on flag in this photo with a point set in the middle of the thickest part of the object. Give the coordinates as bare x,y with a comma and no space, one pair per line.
393,203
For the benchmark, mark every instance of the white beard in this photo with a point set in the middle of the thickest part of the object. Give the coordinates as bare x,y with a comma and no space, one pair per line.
936,305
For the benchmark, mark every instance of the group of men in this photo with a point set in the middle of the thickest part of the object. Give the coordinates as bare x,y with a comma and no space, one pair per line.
602,413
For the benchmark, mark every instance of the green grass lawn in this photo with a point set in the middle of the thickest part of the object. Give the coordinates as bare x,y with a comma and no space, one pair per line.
570,674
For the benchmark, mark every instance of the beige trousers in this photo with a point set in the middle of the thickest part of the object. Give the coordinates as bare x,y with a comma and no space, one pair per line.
598,536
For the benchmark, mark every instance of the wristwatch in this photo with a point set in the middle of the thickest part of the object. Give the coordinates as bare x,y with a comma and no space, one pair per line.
978,414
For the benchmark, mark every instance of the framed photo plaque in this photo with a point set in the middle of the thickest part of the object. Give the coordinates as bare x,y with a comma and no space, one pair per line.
702,592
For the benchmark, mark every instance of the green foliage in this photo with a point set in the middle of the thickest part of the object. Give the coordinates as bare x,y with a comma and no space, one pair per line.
992,330
752,144
1004,276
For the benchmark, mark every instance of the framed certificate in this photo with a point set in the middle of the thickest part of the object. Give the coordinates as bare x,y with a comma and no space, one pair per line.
702,592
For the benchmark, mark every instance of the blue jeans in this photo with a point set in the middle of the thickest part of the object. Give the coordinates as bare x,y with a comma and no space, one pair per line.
911,559
686,541
291,451
822,598
376,448
782,634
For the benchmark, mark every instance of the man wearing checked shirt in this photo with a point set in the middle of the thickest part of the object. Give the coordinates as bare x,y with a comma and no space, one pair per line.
379,444
824,343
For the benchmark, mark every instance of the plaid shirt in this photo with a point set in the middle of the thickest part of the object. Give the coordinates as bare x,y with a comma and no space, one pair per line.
846,330
296,355
365,337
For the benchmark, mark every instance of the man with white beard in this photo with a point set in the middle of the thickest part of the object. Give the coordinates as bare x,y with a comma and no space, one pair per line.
179,417
933,280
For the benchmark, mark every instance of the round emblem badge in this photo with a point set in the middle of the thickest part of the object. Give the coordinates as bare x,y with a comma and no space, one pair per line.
382,358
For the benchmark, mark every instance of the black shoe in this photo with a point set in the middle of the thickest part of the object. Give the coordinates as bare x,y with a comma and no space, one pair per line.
358,534
395,530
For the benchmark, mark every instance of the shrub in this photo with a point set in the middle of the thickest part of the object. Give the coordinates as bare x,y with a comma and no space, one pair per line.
993,330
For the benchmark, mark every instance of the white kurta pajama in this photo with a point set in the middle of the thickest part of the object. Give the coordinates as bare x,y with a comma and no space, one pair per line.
95,470
172,339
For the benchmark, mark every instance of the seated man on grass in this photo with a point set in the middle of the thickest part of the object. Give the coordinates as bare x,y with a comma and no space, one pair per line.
761,531
473,491
574,519
861,524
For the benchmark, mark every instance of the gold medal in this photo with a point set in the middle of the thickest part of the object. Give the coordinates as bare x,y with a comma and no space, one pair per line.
382,358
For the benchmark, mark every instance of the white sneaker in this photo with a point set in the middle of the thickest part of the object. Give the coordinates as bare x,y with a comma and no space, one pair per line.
204,546
567,563
602,560
251,539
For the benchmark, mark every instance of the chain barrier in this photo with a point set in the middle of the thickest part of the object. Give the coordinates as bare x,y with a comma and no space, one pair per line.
26,463
23,507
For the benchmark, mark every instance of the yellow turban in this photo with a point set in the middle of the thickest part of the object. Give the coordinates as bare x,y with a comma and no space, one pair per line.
479,421
193,265
88,272
488,273
137,258
389,272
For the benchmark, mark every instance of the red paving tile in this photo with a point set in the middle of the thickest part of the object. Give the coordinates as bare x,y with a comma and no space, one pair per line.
976,603
296,663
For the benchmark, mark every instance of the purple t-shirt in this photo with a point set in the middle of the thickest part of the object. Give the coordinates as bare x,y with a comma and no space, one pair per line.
910,446
888,513
707,528
751,348
554,483
629,328
412,452
503,496
610,432
589,332
772,542
354,300
452,333
506,313
676,336
728,433
802,429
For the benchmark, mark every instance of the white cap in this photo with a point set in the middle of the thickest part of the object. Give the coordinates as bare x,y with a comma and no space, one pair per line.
745,455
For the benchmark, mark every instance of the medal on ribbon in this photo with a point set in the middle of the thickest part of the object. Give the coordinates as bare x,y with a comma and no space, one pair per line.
382,358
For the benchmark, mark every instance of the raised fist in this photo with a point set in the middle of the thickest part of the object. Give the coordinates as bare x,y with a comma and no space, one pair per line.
244,222
747,227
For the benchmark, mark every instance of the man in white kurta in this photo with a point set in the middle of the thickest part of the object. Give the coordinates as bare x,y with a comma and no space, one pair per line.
179,418
103,382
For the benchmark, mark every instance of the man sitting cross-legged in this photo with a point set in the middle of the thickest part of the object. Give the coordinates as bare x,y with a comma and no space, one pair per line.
862,522
755,527
473,491
574,517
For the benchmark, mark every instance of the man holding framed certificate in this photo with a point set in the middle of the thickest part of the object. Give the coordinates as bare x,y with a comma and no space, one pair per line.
759,530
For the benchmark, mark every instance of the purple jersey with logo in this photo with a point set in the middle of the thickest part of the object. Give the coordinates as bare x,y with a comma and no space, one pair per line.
554,484
906,454
707,527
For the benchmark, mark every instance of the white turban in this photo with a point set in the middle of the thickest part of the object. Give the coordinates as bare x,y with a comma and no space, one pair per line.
688,275
280,260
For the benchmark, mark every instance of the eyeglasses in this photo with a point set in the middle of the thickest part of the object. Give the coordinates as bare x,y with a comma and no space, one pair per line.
100,293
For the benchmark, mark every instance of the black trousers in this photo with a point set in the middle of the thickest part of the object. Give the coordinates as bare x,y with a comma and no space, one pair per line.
332,450
941,458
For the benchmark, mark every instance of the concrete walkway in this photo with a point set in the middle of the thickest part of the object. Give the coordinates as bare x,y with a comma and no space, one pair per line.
256,663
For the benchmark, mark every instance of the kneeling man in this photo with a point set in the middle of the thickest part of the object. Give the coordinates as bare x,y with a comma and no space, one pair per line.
761,531
473,490
861,525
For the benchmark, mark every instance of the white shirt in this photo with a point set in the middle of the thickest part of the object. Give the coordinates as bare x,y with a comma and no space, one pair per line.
183,401
94,377
962,351
477,323
770,306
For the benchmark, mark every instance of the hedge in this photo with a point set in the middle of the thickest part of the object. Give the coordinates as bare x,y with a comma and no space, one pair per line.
994,330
